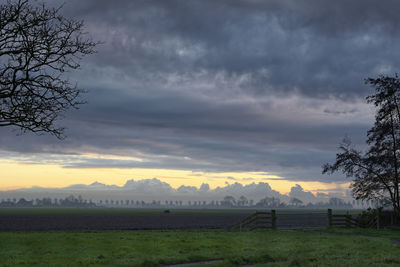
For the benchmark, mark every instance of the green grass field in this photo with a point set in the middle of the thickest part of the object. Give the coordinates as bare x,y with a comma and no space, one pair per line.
322,247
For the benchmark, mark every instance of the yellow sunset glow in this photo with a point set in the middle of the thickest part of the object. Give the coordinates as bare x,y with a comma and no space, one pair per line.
23,175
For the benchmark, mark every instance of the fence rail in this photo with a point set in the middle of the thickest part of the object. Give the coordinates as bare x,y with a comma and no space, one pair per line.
267,220
258,220
346,220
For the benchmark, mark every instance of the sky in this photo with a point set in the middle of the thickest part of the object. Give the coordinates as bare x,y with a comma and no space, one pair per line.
154,189
215,92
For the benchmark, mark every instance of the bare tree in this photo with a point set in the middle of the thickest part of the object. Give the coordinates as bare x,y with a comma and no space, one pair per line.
376,172
229,201
242,201
37,45
270,202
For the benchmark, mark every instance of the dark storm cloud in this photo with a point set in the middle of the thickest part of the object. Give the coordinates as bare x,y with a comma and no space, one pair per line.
315,47
268,86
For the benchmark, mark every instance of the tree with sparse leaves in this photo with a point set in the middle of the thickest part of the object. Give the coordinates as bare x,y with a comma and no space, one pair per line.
37,45
375,172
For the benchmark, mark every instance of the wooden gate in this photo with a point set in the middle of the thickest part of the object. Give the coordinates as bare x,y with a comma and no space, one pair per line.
258,220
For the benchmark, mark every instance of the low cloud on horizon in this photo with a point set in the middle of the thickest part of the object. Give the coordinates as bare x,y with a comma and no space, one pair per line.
155,189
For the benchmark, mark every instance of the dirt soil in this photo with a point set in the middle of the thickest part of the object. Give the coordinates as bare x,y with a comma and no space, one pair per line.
93,222
97,222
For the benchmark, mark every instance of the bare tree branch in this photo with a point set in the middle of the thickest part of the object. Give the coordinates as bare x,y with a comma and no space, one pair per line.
37,45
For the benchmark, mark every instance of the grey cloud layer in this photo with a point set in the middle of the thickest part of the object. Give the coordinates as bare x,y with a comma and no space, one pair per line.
225,85
286,45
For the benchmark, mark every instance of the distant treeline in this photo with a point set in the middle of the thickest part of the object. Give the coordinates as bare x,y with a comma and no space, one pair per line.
68,202
271,202
226,202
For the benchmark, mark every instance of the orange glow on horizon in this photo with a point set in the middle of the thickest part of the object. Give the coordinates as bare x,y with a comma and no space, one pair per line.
22,175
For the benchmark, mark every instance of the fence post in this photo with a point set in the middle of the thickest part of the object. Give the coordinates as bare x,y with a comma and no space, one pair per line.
273,219
329,217
347,220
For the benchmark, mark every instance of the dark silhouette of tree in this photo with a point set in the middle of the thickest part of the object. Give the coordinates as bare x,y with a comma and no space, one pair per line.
229,201
46,201
22,202
251,202
37,45
242,201
269,202
375,173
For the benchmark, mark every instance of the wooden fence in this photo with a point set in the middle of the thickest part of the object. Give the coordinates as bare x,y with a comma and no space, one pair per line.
258,220
347,220
267,220
341,220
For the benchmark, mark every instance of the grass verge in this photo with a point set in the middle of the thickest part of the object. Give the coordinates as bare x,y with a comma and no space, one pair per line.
154,248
